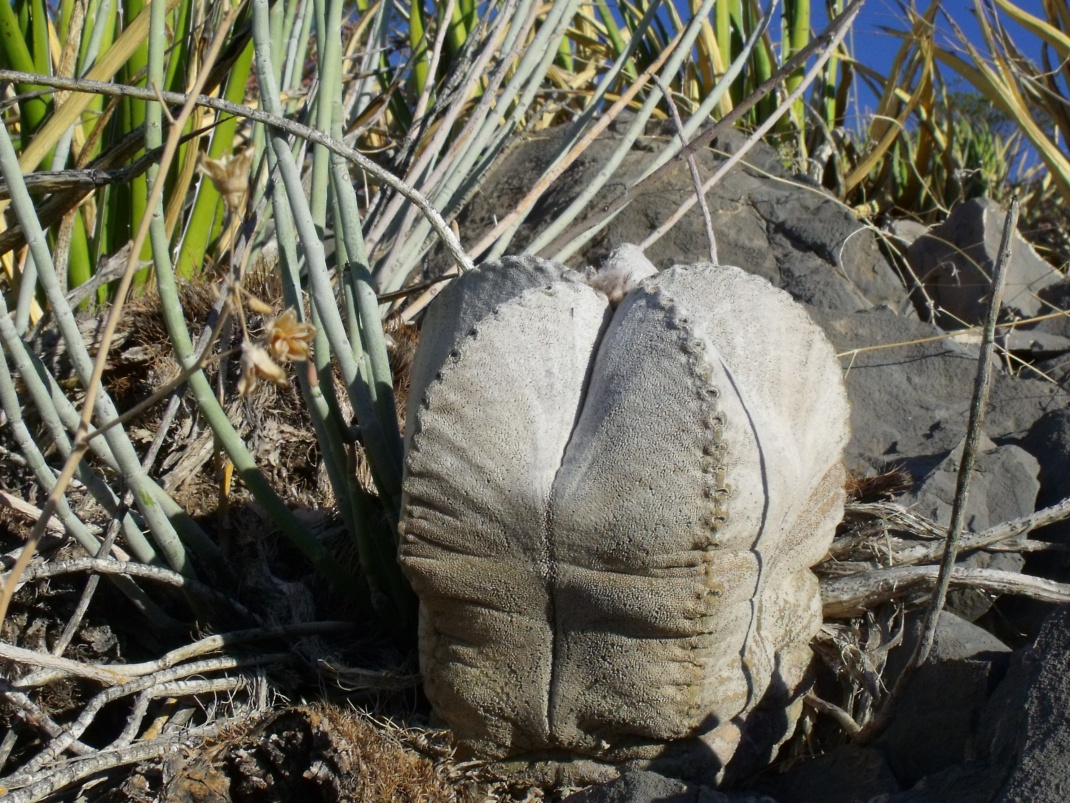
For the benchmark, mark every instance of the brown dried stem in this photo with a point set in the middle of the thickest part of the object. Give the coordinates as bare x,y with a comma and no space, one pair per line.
843,597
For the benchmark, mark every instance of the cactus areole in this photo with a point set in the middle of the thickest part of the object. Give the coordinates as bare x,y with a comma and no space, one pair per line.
615,489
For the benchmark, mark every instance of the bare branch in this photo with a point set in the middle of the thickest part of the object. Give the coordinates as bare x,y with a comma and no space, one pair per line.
40,785
75,729
696,177
120,673
842,597
117,567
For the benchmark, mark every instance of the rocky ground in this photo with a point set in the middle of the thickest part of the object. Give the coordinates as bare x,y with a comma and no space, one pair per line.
986,719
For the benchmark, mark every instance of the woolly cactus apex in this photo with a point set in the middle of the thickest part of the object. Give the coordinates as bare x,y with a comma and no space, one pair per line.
611,511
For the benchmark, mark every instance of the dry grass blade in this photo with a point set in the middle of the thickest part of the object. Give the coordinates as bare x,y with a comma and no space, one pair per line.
132,37
1045,31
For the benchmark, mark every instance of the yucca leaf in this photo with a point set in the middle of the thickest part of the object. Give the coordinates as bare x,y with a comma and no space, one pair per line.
69,111
1045,31
795,36
1006,98
16,55
613,31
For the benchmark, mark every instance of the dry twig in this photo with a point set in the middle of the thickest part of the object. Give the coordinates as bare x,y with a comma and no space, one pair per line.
696,177
843,597
120,673
39,785
969,454
75,729
116,567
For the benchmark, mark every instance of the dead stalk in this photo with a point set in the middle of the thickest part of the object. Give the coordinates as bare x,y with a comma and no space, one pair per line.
696,177
969,454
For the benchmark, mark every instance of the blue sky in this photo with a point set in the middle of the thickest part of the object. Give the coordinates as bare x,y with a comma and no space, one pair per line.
876,48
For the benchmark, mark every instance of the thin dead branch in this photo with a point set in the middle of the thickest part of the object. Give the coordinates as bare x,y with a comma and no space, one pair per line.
969,451
57,746
843,719
40,785
696,177
132,569
34,716
843,597
110,674
891,538
958,508
176,688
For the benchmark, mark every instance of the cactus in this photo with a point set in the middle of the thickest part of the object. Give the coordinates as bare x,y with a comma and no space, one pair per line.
615,487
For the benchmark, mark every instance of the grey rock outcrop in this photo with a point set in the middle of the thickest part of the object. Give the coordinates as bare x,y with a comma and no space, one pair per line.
610,515
1003,487
956,259
1028,719
910,402
795,236
1056,298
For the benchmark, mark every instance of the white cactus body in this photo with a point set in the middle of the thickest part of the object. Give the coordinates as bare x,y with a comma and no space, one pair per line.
611,511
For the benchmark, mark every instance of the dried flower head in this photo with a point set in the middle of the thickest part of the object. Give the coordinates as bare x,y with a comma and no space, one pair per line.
230,176
256,364
288,339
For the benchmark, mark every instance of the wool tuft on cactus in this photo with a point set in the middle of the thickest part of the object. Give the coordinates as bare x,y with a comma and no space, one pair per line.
615,488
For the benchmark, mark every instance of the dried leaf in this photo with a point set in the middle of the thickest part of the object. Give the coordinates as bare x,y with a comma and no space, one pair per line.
258,306
256,364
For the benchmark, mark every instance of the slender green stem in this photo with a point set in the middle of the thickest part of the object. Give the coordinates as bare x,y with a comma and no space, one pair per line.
680,52
30,370
9,403
163,530
276,122
381,452
326,425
